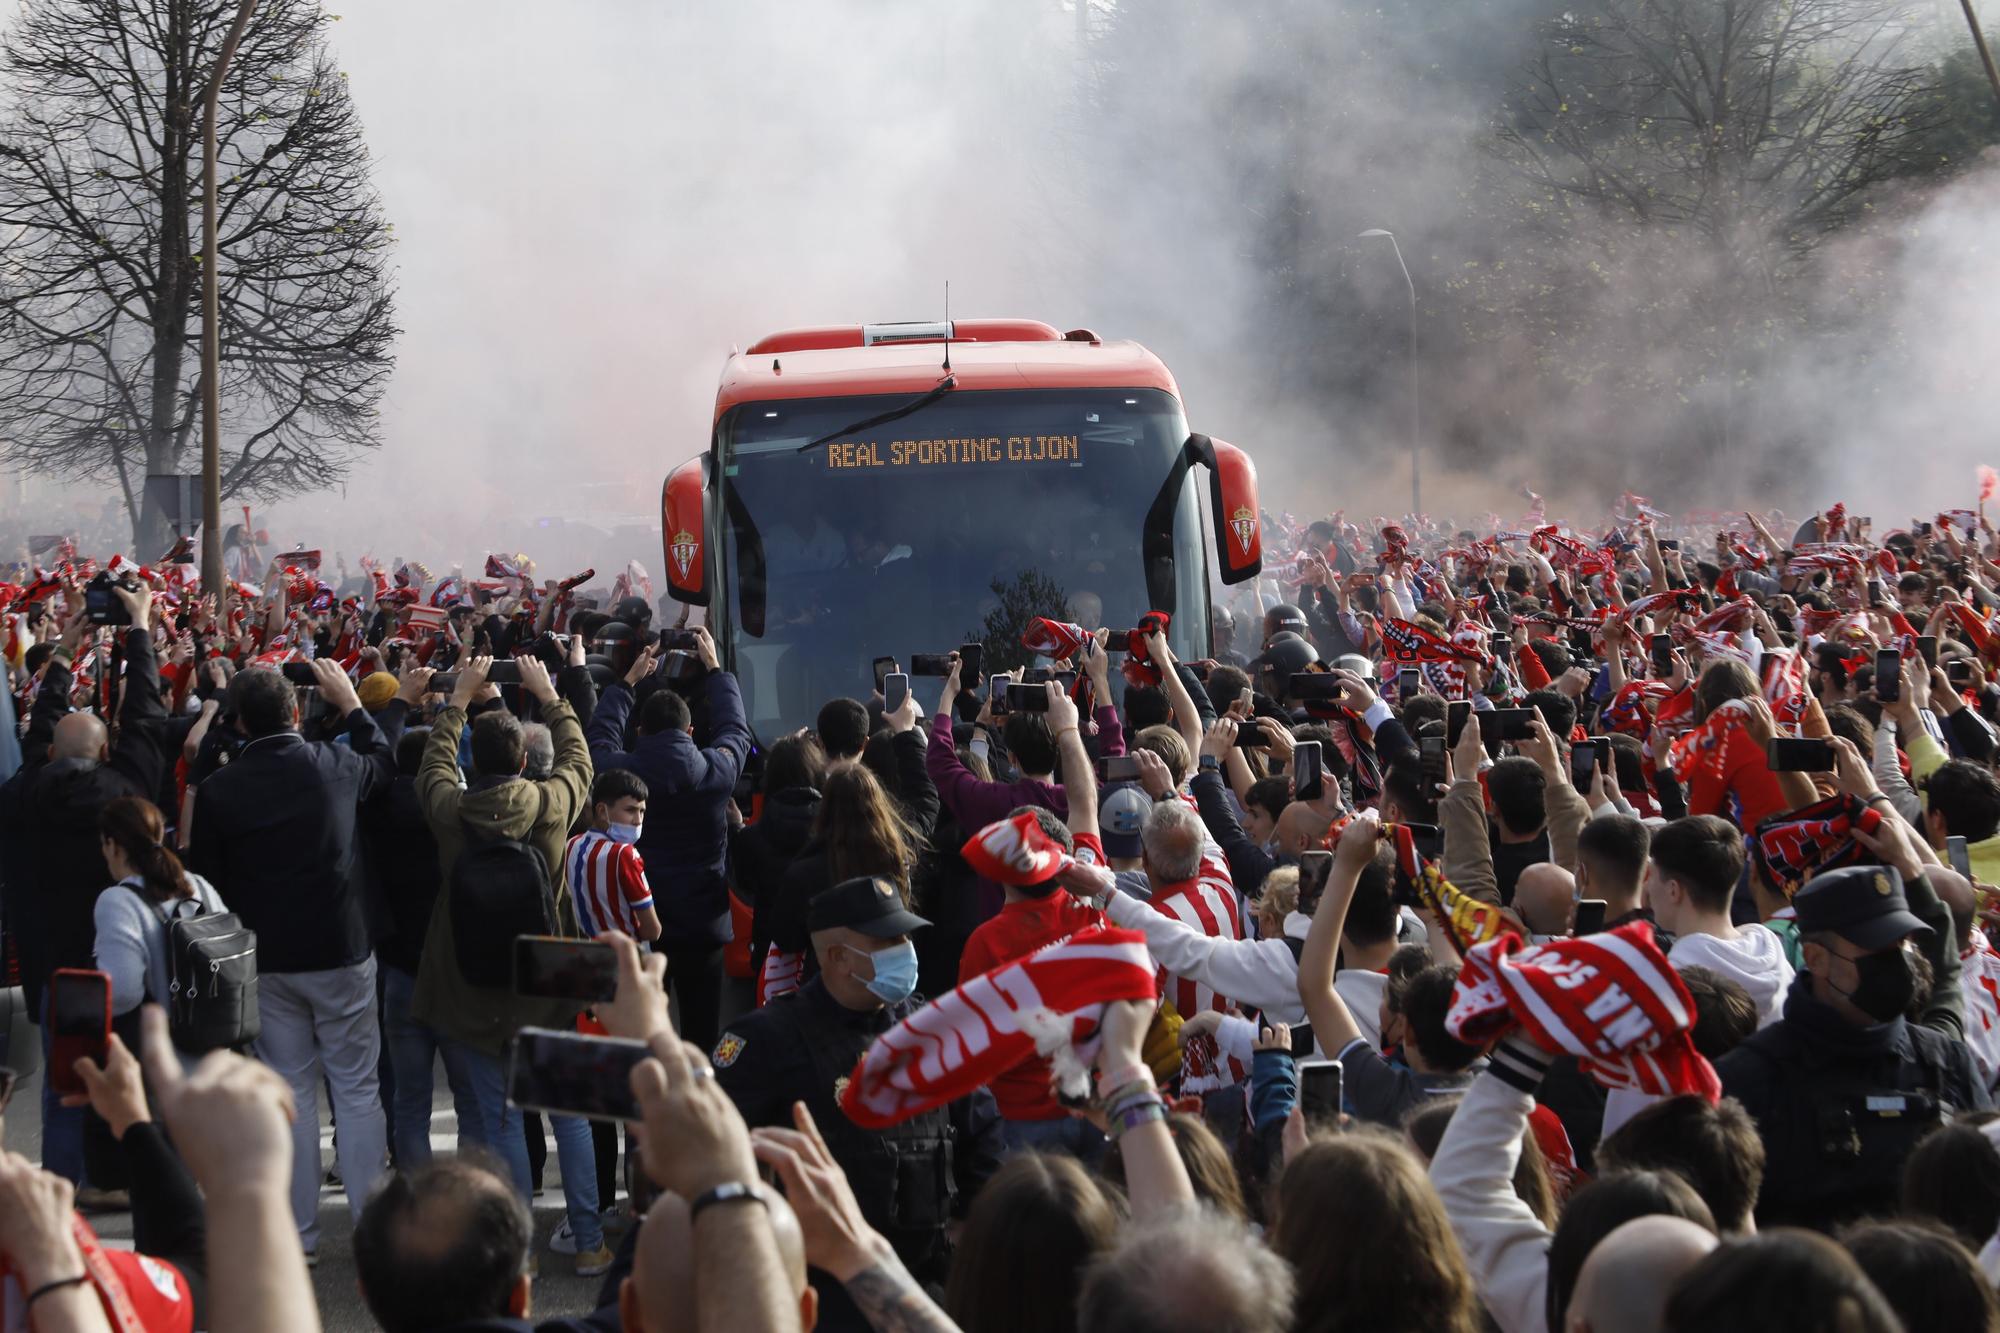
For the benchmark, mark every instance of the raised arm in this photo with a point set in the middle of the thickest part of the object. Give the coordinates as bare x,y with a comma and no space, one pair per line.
1333,1025
1187,720
1079,778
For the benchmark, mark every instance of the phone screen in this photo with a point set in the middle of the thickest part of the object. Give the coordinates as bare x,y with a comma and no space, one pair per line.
1314,867
928,664
1025,698
571,1074
1308,779
971,664
1888,675
1799,754
1590,916
883,666
1432,748
1927,649
1958,856
1583,764
1408,682
1320,1090
560,969
1120,768
1455,714
79,1024
895,691
1663,655
1509,724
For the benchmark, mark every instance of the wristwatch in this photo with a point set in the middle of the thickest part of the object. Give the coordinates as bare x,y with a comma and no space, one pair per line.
1210,764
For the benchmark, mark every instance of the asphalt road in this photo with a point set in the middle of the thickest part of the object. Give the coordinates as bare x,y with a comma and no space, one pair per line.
557,1289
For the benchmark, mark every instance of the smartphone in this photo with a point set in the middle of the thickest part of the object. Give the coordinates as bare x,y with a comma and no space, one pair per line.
1247,700
1432,750
1313,685
504,671
1923,529
1670,543
895,691
971,664
1875,597
1888,676
1501,646
1590,916
299,673
1320,1091
571,1074
1456,713
1409,681
1308,778
683,639
1927,649
1250,736
1026,698
931,664
80,1024
883,666
1958,671
1663,655
1314,867
1957,856
1508,724
1602,744
1582,765
561,969
1118,768
1799,754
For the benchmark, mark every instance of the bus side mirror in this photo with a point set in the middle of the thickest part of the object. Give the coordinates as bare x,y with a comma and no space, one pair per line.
1232,492
683,532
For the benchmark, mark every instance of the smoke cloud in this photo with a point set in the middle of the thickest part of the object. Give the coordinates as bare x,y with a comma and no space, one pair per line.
595,202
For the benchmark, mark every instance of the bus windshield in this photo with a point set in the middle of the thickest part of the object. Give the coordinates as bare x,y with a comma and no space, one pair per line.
951,525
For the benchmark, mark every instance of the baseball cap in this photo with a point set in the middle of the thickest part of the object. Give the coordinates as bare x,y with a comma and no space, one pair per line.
869,904
1864,905
1121,814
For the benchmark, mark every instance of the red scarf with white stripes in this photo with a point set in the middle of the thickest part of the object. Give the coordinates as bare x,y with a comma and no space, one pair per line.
1047,1004
1611,1000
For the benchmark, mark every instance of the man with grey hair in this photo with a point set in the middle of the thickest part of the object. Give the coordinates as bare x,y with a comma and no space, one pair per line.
1191,1269
1190,882
539,745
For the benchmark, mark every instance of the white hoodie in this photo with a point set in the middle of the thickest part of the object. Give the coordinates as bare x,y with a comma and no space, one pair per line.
1755,958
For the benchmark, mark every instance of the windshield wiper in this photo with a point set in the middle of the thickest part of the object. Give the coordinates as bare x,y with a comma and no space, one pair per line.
944,386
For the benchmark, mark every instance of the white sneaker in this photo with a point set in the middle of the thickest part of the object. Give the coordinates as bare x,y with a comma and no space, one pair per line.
563,1240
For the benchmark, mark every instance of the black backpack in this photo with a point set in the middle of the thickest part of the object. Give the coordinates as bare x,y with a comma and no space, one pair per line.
211,998
500,888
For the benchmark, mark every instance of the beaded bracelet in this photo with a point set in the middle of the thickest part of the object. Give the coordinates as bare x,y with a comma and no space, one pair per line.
1128,1118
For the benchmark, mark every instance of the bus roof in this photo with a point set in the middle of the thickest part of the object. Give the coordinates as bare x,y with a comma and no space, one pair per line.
1013,354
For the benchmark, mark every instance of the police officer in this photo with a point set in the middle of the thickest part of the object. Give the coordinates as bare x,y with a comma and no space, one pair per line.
1844,1085
804,1044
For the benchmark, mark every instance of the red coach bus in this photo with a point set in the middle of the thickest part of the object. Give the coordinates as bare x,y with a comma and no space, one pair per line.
866,487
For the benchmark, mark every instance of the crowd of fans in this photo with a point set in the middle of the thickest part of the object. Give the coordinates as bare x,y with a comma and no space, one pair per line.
1555,928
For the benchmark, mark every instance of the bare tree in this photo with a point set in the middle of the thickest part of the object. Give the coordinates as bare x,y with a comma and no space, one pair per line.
100,283
1680,161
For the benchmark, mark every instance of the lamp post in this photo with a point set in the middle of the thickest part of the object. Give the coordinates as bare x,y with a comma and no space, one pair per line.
1416,439
211,321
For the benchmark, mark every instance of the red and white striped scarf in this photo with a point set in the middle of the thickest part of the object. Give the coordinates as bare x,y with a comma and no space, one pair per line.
1048,1004
1611,1000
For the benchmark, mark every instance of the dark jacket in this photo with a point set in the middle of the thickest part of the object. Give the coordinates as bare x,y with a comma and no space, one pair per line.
51,813
401,859
1840,1107
761,853
1248,863
276,832
686,837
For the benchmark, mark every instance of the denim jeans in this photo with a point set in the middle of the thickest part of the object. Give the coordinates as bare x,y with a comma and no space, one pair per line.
325,1025
497,1128
62,1126
413,1050
578,1158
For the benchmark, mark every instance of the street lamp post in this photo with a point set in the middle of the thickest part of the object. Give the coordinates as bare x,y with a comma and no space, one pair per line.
211,323
1416,439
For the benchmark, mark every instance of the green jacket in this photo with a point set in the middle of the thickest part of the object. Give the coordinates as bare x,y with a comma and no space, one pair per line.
537,813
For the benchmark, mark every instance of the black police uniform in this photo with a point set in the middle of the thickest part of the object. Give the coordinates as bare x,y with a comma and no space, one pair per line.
802,1047
1840,1107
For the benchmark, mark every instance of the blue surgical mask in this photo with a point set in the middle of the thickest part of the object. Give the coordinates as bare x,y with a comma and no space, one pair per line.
895,978
625,833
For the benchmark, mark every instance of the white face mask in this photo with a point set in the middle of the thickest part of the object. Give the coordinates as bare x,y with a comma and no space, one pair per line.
625,833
